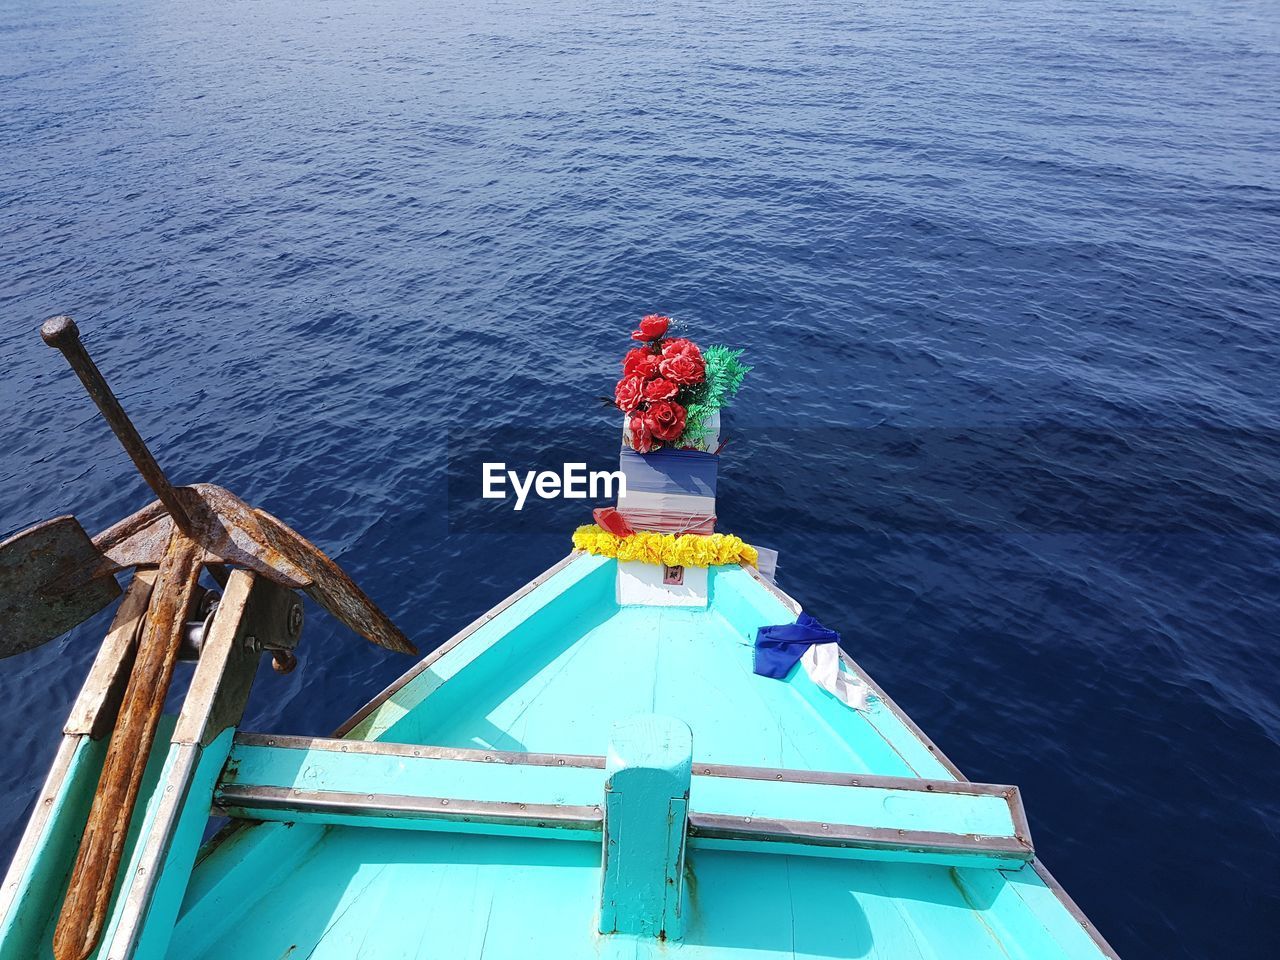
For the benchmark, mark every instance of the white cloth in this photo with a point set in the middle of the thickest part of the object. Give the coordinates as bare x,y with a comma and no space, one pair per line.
822,662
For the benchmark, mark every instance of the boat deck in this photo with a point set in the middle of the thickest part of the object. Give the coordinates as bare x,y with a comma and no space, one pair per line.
382,894
639,660
550,672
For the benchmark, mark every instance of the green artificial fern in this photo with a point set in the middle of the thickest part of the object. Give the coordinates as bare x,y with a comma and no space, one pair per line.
695,423
724,375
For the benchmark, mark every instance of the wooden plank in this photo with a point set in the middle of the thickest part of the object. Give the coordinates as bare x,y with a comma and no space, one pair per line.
33,886
647,777
303,780
143,917
36,877
102,847
405,786
95,708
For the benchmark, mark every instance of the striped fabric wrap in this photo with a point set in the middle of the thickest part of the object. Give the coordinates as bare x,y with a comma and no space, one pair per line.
670,491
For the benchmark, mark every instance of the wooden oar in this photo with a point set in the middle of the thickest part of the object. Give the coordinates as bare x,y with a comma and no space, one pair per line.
84,912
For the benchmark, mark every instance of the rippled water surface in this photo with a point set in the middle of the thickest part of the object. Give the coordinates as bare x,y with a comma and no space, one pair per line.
311,242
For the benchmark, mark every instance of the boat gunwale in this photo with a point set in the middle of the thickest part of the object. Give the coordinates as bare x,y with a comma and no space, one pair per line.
1054,887
431,658
853,665
1049,880
42,813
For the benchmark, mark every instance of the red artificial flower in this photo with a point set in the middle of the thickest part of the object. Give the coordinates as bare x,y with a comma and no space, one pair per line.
628,394
638,434
678,346
651,327
640,363
684,368
665,420
660,389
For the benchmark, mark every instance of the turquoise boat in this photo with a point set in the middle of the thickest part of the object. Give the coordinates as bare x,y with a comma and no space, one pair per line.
592,769
566,777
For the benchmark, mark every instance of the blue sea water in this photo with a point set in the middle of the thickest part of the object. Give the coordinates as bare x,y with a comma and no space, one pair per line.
1008,275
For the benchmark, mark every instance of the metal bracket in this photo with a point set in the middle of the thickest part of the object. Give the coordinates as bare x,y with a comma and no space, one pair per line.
253,615
280,629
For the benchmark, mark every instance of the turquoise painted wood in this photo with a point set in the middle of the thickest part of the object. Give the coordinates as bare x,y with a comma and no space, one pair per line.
423,894
585,662
182,845
325,769
647,777
299,780
551,671
270,854
26,932
53,836
872,806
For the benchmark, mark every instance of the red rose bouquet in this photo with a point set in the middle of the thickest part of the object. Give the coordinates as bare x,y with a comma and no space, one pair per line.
670,388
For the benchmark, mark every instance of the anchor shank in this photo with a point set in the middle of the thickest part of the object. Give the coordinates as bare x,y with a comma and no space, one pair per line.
63,334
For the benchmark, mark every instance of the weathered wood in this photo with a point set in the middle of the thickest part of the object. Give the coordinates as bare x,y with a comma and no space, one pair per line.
95,708
32,888
252,608
646,816
89,893
761,809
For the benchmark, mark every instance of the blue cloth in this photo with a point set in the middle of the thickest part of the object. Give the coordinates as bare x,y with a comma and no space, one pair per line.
780,648
687,472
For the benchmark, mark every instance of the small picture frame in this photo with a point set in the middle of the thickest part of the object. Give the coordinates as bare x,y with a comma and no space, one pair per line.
672,576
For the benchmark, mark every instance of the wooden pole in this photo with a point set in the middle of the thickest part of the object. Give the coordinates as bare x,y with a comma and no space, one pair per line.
84,911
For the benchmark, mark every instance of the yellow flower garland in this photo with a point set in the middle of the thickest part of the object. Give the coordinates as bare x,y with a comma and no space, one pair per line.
684,550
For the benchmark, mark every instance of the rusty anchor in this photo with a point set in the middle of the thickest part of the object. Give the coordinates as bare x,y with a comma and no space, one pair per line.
54,576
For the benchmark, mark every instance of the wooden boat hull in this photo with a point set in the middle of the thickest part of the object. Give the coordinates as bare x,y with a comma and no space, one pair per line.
497,801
